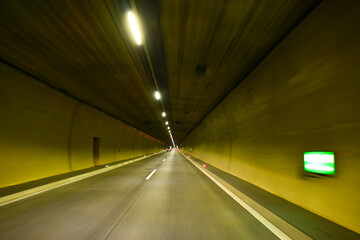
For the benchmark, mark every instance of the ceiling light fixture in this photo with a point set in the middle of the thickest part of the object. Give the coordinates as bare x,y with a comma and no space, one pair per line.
134,27
157,95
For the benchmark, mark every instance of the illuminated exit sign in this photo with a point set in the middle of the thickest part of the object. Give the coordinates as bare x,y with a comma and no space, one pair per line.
319,162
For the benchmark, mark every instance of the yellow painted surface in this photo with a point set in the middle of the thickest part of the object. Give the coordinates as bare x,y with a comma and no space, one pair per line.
45,133
305,96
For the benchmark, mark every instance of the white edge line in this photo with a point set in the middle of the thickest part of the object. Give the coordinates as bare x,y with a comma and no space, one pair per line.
281,235
47,187
148,177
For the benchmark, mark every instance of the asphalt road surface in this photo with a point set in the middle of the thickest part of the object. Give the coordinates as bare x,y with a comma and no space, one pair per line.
176,202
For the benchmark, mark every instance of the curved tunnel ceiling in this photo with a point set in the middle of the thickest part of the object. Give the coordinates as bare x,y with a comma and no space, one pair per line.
200,50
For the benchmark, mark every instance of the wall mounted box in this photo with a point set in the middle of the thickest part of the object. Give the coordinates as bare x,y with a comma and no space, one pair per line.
319,162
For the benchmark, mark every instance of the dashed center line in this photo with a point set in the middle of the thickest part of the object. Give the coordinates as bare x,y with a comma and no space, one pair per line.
148,177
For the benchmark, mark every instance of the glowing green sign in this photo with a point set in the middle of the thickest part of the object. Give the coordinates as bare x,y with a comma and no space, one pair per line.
319,162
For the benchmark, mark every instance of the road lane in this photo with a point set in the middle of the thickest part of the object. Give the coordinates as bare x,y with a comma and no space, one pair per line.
180,202
87,209
176,202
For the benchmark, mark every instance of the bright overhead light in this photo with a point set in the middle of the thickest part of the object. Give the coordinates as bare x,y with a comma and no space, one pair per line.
163,114
168,127
166,123
157,95
134,27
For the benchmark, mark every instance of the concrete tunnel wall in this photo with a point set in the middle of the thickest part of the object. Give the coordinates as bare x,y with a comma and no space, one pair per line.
45,132
305,96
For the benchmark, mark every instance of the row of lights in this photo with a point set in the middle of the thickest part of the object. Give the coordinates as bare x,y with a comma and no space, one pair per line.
158,97
135,29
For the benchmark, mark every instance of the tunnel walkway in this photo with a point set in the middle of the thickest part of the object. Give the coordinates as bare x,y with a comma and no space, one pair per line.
176,201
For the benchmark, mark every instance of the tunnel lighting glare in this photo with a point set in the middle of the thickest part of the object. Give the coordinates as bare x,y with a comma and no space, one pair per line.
166,123
168,127
163,114
319,162
157,95
134,26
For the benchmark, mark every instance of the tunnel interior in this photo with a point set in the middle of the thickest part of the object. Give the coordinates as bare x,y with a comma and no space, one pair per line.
262,96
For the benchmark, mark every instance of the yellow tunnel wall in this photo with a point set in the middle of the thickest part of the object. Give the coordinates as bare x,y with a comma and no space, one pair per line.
45,132
304,96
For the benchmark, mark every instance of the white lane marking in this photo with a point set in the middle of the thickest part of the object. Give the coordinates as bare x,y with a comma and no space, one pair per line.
281,235
148,177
